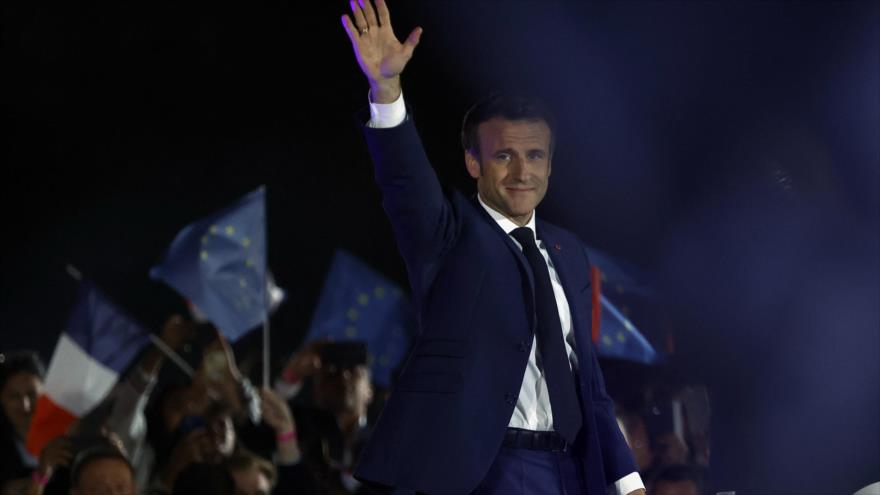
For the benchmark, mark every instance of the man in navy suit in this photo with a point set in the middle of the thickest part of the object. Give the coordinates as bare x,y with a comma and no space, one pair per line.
502,393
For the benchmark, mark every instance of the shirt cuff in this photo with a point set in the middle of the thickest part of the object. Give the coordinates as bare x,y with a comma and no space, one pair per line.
627,484
384,115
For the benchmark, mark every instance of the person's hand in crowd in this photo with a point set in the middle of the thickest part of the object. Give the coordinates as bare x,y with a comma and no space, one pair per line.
303,363
219,360
58,452
380,55
276,414
218,374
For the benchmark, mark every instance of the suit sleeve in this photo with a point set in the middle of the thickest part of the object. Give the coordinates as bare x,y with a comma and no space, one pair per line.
615,452
423,220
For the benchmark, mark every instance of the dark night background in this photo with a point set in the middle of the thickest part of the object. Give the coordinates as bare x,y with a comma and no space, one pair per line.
731,149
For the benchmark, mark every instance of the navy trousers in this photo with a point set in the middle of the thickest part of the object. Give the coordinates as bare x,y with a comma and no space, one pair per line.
534,472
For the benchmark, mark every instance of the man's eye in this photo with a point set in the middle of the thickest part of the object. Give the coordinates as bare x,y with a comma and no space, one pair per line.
503,156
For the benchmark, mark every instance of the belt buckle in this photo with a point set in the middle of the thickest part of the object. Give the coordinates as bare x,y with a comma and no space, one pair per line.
561,449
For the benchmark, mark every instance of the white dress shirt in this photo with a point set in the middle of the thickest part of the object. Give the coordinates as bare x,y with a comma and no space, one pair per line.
532,411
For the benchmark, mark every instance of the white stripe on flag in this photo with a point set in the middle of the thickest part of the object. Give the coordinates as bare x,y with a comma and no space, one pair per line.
76,381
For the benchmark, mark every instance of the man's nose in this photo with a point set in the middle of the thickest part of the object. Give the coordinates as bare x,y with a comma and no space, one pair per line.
518,170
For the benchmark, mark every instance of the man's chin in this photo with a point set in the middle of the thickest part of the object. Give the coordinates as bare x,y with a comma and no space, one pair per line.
519,210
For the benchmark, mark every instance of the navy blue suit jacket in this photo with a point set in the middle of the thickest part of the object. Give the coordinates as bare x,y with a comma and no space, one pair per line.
445,420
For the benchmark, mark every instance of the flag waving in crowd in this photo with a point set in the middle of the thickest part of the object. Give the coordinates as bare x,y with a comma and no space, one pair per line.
98,344
219,263
615,334
358,303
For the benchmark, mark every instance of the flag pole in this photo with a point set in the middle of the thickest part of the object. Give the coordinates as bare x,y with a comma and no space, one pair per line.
266,352
168,351
266,296
172,355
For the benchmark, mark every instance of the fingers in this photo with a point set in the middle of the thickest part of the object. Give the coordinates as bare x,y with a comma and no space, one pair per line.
268,397
58,452
412,41
359,20
65,456
350,30
382,11
369,13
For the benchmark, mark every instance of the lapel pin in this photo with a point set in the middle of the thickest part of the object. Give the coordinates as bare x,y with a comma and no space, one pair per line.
558,247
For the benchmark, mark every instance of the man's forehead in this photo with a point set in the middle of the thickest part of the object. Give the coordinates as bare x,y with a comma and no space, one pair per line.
499,131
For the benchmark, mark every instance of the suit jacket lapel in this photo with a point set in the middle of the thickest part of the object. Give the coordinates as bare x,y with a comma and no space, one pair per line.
517,254
561,255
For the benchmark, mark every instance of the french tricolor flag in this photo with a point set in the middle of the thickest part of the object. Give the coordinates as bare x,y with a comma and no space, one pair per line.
98,344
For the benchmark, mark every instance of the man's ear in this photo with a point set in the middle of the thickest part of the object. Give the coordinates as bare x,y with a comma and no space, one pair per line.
472,164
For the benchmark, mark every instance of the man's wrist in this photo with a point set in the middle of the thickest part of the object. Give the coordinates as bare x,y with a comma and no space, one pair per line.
386,91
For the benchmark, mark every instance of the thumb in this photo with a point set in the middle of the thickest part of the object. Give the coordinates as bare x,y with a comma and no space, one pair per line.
412,41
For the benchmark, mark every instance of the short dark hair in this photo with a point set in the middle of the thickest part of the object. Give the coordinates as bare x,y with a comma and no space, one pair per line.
96,453
243,459
14,362
510,106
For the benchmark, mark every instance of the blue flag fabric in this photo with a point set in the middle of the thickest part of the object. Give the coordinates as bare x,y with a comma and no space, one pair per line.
104,331
219,264
358,303
618,336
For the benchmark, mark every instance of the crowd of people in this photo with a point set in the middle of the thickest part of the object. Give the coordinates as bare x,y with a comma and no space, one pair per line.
160,431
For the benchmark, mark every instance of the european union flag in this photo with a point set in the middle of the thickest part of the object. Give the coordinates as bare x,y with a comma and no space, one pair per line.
219,264
358,303
618,336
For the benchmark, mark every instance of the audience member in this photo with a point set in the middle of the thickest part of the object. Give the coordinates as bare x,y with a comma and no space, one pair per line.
21,381
102,471
253,475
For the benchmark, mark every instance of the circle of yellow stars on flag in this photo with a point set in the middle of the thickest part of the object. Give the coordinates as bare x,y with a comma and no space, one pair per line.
352,315
229,232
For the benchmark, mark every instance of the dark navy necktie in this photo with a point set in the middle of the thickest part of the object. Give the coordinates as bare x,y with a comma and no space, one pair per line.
560,381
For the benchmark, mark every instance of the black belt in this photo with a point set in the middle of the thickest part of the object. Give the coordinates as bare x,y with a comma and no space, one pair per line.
517,438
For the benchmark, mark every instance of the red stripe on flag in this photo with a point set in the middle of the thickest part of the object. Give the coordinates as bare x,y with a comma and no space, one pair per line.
48,422
596,282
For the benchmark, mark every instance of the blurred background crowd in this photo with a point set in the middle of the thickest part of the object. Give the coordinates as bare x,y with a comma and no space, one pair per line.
161,431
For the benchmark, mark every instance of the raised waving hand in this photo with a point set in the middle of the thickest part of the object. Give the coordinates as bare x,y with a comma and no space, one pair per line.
381,56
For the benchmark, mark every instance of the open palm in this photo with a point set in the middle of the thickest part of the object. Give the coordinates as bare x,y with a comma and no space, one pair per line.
381,56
